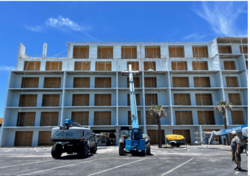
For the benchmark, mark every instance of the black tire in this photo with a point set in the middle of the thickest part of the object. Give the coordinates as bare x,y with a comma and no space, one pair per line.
177,145
148,152
121,149
82,150
143,153
172,145
56,151
246,149
94,149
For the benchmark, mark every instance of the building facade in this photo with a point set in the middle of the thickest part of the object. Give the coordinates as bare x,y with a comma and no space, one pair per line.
87,86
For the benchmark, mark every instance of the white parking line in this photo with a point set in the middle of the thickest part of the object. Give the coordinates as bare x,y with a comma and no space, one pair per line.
24,164
56,168
35,149
115,167
9,150
176,167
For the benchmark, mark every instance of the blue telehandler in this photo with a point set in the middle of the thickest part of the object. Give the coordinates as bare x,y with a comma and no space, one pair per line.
133,140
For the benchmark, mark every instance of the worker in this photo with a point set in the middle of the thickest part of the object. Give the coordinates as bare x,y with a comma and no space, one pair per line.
235,148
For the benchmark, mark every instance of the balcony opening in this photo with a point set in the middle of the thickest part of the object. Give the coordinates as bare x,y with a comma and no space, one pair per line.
179,65
102,82
51,100
234,98
180,82
201,82
81,117
80,100
137,99
31,65
81,82
81,52
203,99
129,117
151,99
135,66
102,99
82,66
44,138
150,81
185,133
129,52
237,117
136,82
229,65
23,138
153,134
152,52
105,52
102,118
26,119
206,118
200,65
244,49
49,119
232,82
183,118
200,51
55,66
27,100
50,82
31,82
149,66
225,49
182,99
176,51
103,66
150,120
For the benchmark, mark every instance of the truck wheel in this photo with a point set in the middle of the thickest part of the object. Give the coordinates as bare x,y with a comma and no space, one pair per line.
121,149
148,148
143,152
56,151
94,149
177,145
172,145
82,150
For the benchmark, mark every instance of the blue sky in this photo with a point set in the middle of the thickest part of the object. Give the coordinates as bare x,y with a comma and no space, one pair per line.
56,23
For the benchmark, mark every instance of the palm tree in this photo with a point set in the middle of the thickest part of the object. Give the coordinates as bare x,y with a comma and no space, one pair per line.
221,107
157,112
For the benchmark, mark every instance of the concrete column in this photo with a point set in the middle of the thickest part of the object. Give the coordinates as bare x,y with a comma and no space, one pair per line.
117,129
116,78
201,136
44,54
35,138
63,95
21,51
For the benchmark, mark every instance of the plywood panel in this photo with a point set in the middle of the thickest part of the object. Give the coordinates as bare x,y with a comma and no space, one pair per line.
137,99
51,82
229,65
225,49
150,120
31,65
49,119
31,82
200,51
237,117
129,52
27,100
152,52
136,82
206,118
26,119
183,117
82,82
201,82
150,81
180,82
200,65
182,99
80,100
45,138
232,82
103,66
102,82
102,118
176,51
53,66
81,52
179,65
185,133
234,98
244,49
105,52
153,134
135,66
129,117
149,65
102,99
203,99
82,66
51,100
151,99
80,117
23,138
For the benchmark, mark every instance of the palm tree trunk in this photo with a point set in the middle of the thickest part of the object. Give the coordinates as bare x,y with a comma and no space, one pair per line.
159,132
225,126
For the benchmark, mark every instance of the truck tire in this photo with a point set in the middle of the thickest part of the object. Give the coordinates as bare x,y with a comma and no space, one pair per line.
121,149
94,149
177,145
148,148
82,150
143,152
56,151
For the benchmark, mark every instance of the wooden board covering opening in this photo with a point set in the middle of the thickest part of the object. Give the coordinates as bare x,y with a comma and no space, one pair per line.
225,49
150,81
137,99
201,82
80,117
180,82
81,82
80,100
176,51
53,65
82,66
244,49
50,82
49,119
102,118
229,65
23,138
200,65
102,99
153,134
203,99
129,52
183,118
232,82
135,66
45,138
105,52
206,117
152,52
182,99
179,65
27,100
200,51
51,100
129,117
103,66
32,65
237,117
185,133
136,82
31,82
81,52
26,119
150,120
149,66
102,82
234,98
151,99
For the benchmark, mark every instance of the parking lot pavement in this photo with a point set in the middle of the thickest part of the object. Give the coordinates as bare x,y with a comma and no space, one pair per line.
190,160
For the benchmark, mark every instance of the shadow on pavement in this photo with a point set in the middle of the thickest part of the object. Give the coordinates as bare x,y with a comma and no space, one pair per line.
135,154
72,157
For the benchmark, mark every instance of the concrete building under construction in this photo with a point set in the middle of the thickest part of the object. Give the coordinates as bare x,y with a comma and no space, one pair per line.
188,79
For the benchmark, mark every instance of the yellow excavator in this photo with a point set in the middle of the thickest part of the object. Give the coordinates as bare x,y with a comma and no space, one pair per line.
175,140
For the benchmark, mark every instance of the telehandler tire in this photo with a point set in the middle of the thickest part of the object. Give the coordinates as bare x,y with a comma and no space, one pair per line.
56,151
82,150
94,149
148,148
121,149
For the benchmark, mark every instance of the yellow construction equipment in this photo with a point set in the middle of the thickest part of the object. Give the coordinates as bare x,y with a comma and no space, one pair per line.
175,140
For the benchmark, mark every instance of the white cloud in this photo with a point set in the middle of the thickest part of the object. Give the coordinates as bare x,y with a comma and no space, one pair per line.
34,28
194,36
222,16
7,68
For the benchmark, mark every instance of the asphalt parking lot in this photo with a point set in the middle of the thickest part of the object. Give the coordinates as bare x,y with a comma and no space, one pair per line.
190,160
